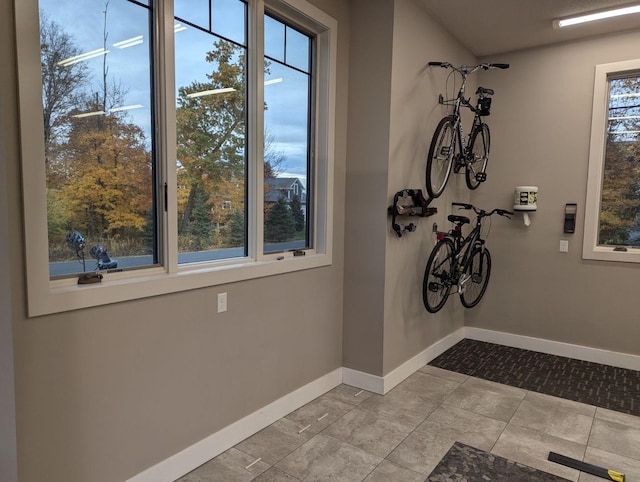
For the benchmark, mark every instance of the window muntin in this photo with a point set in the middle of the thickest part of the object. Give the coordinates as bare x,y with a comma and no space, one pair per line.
288,98
211,133
49,296
98,125
611,231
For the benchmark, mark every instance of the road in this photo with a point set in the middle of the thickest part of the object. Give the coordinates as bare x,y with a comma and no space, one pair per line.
72,267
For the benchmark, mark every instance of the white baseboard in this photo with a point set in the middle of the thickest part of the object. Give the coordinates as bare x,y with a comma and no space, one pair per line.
192,457
382,385
596,355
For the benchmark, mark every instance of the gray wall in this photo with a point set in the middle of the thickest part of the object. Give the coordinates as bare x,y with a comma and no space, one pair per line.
541,125
105,393
393,110
8,450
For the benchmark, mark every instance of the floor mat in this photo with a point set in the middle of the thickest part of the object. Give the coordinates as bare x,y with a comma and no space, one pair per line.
465,463
581,381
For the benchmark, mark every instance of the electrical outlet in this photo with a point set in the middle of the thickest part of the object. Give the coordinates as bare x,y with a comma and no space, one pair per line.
564,245
222,302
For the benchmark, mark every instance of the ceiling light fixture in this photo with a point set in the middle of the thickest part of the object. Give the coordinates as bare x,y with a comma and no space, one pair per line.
210,92
591,17
79,58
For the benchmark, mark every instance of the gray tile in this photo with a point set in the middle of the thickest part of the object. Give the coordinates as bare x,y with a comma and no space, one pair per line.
387,472
275,475
230,466
317,415
629,467
428,386
555,416
487,398
442,373
405,406
369,431
618,417
324,458
463,426
530,447
274,442
422,450
616,438
348,394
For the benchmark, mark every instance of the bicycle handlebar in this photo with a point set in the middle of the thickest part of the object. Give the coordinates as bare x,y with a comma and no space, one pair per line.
482,212
467,68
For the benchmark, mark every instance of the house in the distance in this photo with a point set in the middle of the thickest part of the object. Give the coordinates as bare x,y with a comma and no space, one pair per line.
284,187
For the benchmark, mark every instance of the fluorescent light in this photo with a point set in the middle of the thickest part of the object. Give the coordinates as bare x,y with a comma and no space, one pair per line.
129,42
90,114
273,81
126,107
210,92
178,28
617,96
591,17
79,58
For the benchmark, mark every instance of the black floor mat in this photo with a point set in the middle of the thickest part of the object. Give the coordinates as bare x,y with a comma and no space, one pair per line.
586,382
464,463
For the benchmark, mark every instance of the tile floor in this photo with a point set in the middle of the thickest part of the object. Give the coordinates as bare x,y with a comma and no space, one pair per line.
353,435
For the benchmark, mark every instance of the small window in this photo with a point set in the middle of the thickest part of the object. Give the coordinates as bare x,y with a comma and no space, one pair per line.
612,227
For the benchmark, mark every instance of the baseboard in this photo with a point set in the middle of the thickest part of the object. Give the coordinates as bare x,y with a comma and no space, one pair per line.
192,457
382,385
596,355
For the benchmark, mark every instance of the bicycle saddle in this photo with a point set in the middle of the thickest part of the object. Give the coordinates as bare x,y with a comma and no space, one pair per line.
482,90
454,218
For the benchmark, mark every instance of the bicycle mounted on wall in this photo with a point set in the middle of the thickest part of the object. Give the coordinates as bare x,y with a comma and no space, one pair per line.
449,149
459,260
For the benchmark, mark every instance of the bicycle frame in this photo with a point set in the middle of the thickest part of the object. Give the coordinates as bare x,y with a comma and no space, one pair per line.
463,247
461,142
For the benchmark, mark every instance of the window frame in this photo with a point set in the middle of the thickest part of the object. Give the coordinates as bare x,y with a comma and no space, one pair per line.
590,248
51,296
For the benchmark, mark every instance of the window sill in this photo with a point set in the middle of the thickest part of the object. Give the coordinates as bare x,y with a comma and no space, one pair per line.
67,295
602,253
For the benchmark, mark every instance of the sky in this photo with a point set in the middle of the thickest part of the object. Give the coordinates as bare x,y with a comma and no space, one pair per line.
128,60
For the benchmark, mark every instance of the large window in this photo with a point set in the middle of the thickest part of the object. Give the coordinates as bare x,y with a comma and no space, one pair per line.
173,144
612,228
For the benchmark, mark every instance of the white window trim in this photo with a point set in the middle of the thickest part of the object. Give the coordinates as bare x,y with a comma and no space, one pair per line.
46,296
590,247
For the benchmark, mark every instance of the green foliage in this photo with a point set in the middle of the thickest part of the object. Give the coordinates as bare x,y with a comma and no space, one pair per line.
234,231
200,227
297,212
279,225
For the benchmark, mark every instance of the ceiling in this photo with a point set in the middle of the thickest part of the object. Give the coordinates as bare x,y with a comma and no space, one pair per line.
488,27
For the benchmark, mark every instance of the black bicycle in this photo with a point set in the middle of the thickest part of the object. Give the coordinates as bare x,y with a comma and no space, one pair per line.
459,260
448,149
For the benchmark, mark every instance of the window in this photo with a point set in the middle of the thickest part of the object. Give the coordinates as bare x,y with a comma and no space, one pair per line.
612,218
166,146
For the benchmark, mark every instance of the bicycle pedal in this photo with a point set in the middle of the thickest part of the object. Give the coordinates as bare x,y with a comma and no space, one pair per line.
434,287
476,278
481,177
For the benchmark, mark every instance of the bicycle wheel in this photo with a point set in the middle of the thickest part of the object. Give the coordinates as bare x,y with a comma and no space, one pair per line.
438,276
440,158
475,278
476,169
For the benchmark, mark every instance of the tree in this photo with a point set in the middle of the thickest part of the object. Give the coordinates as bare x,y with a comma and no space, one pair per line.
210,128
297,212
61,83
279,225
235,234
200,228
